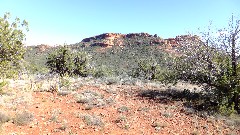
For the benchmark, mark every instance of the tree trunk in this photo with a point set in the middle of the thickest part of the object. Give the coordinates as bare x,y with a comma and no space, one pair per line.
235,97
234,61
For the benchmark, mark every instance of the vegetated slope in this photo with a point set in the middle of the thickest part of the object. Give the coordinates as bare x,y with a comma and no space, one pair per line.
110,49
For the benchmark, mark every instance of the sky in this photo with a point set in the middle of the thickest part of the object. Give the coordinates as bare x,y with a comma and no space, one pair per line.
55,22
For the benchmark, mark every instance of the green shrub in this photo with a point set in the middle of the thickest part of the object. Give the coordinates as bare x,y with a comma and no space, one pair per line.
81,64
64,62
102,71
148,69
60,61
11,45
224,109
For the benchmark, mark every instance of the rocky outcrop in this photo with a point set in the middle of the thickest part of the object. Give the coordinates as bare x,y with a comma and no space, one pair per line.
42,47
174,42
111,39
103,36
133,35
111,36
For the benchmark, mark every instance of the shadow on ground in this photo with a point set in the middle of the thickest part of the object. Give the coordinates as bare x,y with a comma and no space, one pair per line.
193,100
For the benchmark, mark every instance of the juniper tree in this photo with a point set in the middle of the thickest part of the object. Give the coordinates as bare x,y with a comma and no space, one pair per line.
65,61
11,44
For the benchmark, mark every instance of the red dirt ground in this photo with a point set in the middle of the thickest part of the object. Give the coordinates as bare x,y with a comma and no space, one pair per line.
55,114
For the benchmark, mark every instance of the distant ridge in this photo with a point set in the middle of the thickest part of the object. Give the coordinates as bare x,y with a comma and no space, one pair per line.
117,39
108,40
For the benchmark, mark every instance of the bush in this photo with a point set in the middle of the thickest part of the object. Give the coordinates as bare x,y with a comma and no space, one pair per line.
102,71
66,62
147,68
11,46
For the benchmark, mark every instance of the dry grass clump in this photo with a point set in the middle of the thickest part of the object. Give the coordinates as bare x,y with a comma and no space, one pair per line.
123,109
122,122
92,120
4,118
159,125
92,99
23,118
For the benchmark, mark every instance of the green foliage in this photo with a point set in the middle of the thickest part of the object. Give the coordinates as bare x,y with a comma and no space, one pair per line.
34,60
81,64
226,110
64,62
102,71
60,61
148,69
125,61
11,46
64,82
33,68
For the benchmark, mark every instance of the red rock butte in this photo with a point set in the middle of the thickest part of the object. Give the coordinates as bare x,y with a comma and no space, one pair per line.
111,39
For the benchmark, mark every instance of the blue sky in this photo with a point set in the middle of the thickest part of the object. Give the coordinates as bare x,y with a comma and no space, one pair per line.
69,21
